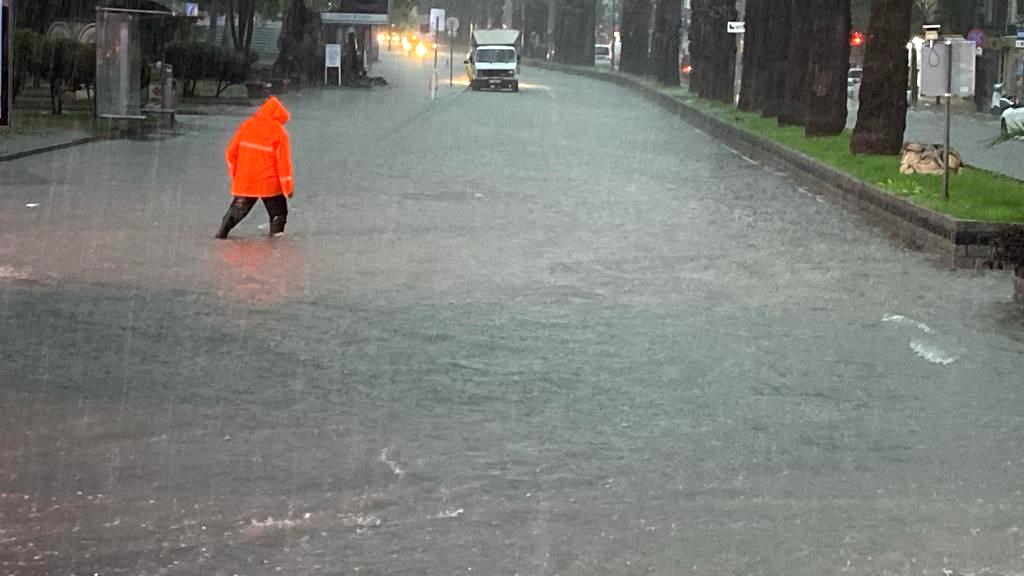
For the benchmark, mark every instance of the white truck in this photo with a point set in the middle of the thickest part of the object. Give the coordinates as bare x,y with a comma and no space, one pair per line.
494,60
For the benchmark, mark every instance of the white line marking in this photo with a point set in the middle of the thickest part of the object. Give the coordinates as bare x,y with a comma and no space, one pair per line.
932,353
898,319
395,468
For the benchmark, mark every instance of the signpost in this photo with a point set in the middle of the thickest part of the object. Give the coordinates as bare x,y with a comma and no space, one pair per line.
332,59
738,28
437,25
452,25
947,70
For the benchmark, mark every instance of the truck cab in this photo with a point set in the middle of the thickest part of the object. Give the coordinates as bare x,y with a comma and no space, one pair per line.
493,62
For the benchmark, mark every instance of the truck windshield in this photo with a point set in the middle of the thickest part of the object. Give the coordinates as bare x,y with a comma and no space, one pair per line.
495,55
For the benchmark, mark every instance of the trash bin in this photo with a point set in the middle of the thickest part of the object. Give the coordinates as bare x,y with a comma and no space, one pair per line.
162,87
168,95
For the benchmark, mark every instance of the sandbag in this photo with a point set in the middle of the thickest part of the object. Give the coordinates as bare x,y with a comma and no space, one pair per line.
920,158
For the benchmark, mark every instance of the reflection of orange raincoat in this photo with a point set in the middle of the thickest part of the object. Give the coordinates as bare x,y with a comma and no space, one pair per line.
259,156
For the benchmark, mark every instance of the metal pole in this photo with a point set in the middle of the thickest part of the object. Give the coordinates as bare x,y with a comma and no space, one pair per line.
451,59
612,59
737,83
435,65
949,112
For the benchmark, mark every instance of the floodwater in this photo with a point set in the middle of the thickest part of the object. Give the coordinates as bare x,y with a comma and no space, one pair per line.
554,332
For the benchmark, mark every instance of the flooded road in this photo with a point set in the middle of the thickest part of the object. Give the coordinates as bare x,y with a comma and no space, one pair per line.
553,332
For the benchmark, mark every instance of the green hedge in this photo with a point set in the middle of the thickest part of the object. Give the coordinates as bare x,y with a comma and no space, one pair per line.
195,61
27,48
66,65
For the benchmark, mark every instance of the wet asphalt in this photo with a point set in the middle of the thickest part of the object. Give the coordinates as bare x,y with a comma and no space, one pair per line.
553,332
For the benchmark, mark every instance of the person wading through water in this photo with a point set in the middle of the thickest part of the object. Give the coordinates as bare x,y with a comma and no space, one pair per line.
260,164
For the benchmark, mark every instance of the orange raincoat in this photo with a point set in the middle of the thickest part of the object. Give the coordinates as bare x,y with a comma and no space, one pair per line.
259,156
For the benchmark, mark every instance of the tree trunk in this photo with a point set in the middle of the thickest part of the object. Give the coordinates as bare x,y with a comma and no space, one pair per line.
668,17
713,49
574,32
232,29
792,111
635,16
882,117
211,33
828,68
754,47
299,54
773,72
250,26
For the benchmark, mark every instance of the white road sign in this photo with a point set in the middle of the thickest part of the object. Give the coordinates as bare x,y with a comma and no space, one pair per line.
452,24
737,27
436,20
332,55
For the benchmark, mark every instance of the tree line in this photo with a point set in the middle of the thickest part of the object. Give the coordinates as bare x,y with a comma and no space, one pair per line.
782,78
794,63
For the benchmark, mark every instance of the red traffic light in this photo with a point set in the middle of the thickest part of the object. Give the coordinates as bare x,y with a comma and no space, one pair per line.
856,39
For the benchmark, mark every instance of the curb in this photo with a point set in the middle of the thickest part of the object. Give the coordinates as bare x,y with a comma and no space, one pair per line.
959,243
50,148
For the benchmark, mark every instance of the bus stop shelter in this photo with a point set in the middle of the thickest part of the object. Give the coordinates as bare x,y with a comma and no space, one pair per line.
119,54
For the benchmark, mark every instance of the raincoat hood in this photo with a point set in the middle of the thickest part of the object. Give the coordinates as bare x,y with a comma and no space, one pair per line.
274,110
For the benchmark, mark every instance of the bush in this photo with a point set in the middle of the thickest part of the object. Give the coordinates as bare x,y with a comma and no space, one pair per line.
83,74
27,52
192,62
233,68
67,65
195,61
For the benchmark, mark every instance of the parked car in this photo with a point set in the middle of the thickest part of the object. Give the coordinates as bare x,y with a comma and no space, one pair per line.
602,54
853,79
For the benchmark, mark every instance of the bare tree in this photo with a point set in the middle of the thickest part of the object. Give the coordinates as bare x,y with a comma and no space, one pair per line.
241,31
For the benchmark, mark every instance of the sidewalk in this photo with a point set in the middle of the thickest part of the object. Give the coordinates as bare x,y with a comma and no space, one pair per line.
27,141
14,145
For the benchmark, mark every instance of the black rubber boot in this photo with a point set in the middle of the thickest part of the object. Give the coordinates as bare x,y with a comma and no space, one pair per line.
230,220
225,226
277,225
237,211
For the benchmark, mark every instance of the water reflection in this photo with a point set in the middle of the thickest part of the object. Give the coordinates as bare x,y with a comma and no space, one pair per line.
261,271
